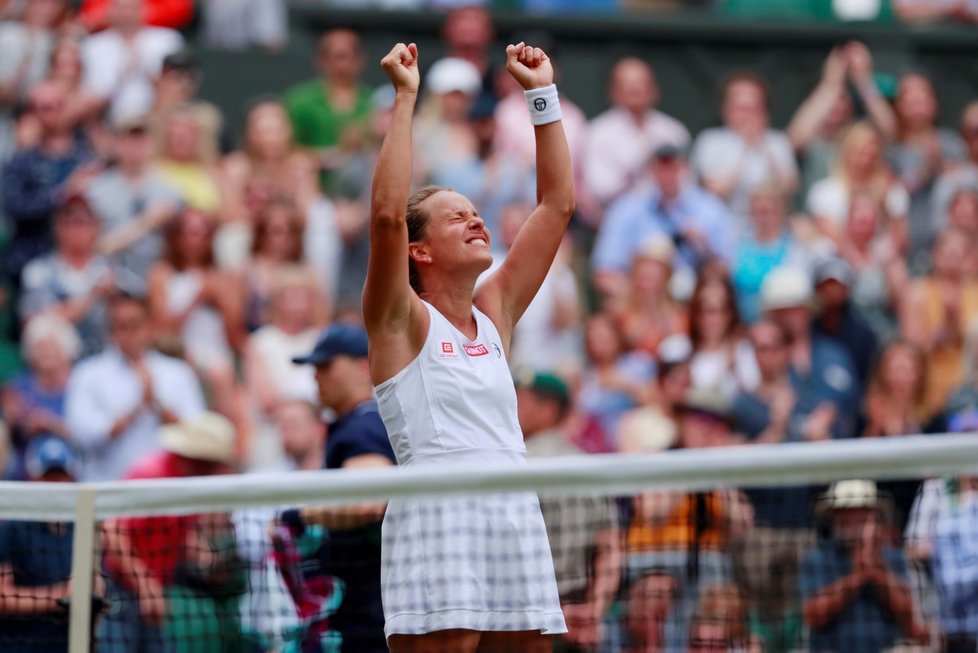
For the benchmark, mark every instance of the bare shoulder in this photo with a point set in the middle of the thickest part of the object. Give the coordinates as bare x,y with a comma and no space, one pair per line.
393,348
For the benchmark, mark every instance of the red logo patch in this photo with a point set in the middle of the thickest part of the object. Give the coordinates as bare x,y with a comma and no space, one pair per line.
447,348
476,350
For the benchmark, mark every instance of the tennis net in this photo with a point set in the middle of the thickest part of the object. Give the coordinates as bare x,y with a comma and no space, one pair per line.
868,545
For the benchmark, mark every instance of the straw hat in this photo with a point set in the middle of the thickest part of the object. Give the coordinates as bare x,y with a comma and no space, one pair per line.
208,437
852,494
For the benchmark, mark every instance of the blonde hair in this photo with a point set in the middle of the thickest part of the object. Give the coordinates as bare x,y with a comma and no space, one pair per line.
855,136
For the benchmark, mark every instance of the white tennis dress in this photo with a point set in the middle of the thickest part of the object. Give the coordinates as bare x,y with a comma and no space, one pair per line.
479,563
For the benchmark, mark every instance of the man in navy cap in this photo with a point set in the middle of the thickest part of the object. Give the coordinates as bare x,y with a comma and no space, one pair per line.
35,561
357,438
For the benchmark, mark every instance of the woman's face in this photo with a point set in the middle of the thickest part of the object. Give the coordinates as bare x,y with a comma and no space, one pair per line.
269,131
649,277
47,357
950,256
715,311
900,372
602,341
280,236
863,219
455,106
767,212
293,306
194,239
743,108
181,138
915,103
862,158
964,212
66,64
456,237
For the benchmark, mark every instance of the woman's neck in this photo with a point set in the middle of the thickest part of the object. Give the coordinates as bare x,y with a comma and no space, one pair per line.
454,301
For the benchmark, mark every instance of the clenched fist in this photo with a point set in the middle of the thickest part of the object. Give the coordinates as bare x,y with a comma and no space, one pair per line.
401,65
529,66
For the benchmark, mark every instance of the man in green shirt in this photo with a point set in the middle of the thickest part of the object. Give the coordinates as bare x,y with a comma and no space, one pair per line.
331,114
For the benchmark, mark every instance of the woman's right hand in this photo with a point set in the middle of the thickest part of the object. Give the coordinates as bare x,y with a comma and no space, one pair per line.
401,65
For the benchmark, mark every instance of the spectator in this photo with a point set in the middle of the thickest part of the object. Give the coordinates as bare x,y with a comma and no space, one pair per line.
621,140
303,435
647,605
97,14
34,401
27,45
840,317
357,439
175,580
654,426
819,123
648,313
921,152
116,400
122,61
270,377
767,559
548,335
721,623
271,160
852,584
468,33
331,114
73,281
859,169
583,531
954,570
767,244
697,221
35,562
957,178
877,270
819,365
688,535
960,413
239,24
176,88
722,359
963,215
444,137
895,407
183,161
735,159
937,312
277,244
134,203
614,381
38,179
192,308
67,70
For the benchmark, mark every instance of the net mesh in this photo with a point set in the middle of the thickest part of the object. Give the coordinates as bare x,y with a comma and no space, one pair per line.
748,549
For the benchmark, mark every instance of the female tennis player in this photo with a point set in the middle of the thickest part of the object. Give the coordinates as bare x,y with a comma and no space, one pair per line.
460,575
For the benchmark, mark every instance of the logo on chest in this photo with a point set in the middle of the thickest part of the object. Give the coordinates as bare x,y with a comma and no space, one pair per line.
447,350
475,350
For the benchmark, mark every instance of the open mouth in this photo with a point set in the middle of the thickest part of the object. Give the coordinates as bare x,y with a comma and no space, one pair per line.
478,242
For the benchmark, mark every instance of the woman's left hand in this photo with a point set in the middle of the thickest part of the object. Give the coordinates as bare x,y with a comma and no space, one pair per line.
529,66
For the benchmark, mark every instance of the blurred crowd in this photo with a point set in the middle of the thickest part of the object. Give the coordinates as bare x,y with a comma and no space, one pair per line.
753,283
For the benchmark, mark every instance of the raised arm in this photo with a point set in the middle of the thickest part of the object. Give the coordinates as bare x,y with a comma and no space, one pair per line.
387,294
507,293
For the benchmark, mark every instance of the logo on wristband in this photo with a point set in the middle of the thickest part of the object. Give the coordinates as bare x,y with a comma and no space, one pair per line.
539,104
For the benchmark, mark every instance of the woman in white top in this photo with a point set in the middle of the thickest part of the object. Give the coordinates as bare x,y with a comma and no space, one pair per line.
460,574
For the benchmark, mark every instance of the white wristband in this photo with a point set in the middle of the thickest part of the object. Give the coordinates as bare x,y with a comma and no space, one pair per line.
544,105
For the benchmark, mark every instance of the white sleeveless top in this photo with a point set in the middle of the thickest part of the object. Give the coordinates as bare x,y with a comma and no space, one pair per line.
455,400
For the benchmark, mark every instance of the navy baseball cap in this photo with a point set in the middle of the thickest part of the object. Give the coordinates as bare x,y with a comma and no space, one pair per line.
336,340
47,452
